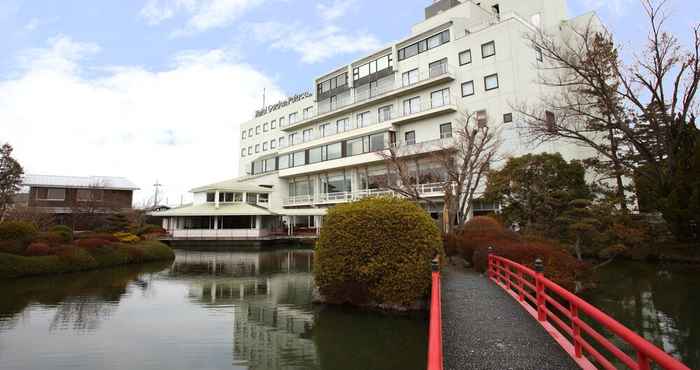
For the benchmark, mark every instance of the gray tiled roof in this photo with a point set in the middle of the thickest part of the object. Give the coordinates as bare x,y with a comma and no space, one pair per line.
104,182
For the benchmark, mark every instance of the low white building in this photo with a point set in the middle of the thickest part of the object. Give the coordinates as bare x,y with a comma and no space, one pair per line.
313,150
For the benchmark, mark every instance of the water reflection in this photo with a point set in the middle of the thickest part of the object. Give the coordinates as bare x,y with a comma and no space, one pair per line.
659,302
213,310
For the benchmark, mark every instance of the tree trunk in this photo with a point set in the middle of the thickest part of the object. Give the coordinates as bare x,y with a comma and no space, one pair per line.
577,247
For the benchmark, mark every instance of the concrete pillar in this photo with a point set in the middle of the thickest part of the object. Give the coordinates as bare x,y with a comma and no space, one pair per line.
242,291
216,199
267,286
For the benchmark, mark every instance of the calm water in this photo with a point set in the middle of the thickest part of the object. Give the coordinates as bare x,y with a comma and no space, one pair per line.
659,302
207,310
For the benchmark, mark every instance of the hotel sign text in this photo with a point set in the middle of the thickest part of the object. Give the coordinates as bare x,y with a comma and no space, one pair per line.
282,104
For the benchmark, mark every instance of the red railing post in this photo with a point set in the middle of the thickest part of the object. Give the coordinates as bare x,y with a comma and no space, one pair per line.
521,286
539,285
642,361
435,361
576,330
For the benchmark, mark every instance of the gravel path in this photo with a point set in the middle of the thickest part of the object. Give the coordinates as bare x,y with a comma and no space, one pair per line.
485,328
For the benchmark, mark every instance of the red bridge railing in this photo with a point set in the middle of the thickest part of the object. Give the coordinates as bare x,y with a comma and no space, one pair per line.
435,330
559,310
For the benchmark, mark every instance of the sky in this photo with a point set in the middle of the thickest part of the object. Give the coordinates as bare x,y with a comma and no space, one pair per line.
155,90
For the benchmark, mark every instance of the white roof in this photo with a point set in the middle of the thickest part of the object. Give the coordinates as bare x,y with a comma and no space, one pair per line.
209,209
233,185
103,182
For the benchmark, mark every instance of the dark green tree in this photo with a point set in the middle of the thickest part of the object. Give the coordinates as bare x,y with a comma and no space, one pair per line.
10,178
578,224
117,222
536,189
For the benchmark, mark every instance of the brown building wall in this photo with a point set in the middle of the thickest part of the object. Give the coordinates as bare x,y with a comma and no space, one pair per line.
111,199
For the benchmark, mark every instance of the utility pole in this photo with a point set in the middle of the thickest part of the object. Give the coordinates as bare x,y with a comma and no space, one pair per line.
157,186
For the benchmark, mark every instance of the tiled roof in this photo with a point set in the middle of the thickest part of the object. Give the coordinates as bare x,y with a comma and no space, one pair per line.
103,182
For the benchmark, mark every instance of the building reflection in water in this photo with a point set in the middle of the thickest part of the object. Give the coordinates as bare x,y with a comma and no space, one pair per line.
270,294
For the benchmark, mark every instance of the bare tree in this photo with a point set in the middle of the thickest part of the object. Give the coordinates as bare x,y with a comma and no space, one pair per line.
463,161
633,116
91,205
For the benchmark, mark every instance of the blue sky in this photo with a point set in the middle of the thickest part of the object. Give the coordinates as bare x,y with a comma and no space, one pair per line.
155,89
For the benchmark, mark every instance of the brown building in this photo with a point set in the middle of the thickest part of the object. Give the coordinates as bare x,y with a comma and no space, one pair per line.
79,201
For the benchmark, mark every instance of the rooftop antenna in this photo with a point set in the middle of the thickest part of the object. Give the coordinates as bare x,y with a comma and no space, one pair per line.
264,91
157,185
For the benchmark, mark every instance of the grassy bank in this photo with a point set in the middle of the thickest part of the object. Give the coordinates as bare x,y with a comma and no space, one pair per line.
72,259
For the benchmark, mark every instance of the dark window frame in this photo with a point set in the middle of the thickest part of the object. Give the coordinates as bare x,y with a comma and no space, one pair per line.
459,57
484,56
448,124
498,84
473,88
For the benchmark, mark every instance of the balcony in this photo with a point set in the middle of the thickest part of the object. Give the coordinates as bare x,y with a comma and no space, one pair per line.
425,190
359,98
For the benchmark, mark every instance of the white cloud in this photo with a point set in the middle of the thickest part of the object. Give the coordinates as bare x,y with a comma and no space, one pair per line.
202,14
616,7
178,125
313,44
334,10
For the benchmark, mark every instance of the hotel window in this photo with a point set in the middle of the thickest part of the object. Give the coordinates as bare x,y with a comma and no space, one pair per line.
357,146
465,57
264,148
211,197
257,167
508,118
238,197
374,66
550,121
410,77
225,197
468,88
384,113
377,142
257,130
250,150
445,130
491,82
273,124
538,54
270,165
411,106
86,195
266,127
250,132
335,182
424,45
293,138
273,144
333,83
333,151
488,49
257,148
299,158
280,141
482,119
307,112
308,134
410,137
315,155
438,68
283,162
243,135
327,129
440,98
293,118
334,102
243,152
363,119
282,123
343,125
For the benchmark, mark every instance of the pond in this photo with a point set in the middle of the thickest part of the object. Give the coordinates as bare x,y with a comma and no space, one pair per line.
659,302
205,310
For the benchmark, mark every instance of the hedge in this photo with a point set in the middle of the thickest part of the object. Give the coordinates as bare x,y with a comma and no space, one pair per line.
72,258
17,230
376,252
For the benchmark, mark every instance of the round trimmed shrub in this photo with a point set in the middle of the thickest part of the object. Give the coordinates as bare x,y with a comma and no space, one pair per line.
17,230
38,249
480,232
91,243
376,251
65,232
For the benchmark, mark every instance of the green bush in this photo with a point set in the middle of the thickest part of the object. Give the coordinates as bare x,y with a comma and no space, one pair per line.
12,247
65,232
376,251
17,230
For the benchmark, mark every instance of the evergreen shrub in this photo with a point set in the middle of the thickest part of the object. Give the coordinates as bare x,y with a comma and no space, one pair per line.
376,251
17,230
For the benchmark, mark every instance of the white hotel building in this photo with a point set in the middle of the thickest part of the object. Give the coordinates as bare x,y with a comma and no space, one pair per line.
314,150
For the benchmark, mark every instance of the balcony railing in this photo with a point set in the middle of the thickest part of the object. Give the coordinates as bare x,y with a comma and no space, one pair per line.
383,87
432,189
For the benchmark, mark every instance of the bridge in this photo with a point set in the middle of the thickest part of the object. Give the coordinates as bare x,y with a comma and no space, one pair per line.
516,318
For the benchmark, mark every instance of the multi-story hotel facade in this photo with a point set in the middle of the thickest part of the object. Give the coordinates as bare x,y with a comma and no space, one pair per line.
302,155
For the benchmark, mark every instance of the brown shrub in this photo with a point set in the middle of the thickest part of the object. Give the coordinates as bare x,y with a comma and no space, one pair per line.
51,238
38,249
92,243
103,236
482,231
12,247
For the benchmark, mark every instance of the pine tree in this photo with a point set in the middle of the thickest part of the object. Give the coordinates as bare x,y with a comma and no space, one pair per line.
10,178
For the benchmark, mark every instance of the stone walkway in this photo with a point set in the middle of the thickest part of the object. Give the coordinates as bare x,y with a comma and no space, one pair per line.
485,328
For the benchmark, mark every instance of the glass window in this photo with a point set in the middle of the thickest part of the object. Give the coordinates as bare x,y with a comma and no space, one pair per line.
434,41
257,130
250,132
280,141
465,57
243,152
445,130
538,53
491,82
307,112
211,197
438,68
333,151
383,63
468,88
333,102
410,77
257,148
266,127
283,162
299,158
282,123
410,137
335,182
293,118
411,106
377,142
342,125
488,49
270,165
243,135
327,129
363,119
357,146
273,144
482,118
308,134
508,117
264,148
273,124
384,113
423,45
250,150
257,167
440,98
315,155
